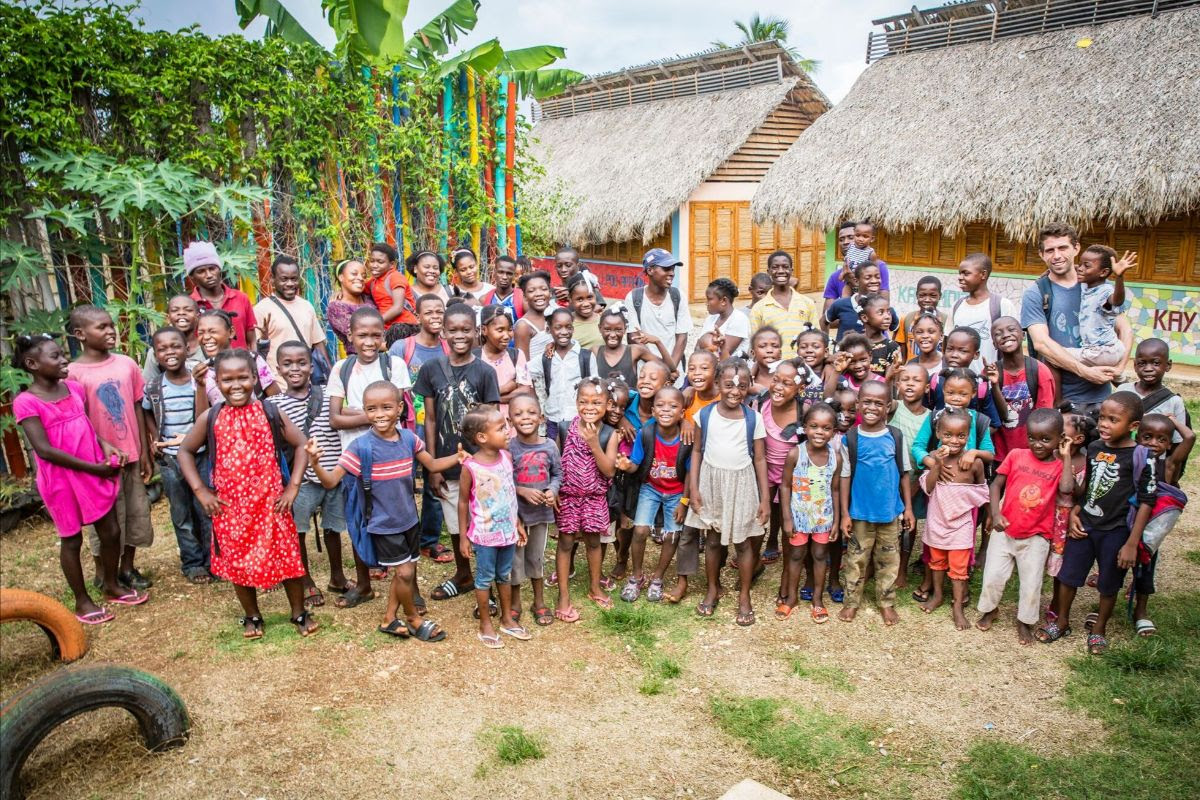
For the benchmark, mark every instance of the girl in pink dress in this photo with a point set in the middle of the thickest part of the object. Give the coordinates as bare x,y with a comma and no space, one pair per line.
76,471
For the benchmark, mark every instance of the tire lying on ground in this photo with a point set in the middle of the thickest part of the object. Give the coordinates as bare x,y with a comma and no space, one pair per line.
30,715
66,634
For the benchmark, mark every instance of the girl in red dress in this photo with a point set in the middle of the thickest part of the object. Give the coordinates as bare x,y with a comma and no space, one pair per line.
255,545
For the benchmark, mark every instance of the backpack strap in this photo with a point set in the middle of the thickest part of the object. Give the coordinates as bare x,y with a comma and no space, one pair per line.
748,416
210,438
675,299
705,415
957,303
981,425
366,461
646,434
154,394
1043,286
410,347
1150,402
282,448
898,437
290,318
852,450
585,363
512,355
605,436
1031,378
638,296
346,369
385,365
993,306
316,399
547,370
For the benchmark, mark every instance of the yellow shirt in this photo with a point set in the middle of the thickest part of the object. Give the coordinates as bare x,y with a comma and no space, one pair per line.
790,322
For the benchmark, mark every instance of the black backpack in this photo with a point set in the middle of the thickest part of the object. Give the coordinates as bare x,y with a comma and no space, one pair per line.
408,418
283,450
1043,285
585,366
683,458
852,449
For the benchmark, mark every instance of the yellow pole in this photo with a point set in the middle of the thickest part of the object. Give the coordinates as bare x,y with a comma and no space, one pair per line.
473,127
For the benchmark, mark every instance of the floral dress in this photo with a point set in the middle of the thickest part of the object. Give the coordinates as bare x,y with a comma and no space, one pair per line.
812,492
252,545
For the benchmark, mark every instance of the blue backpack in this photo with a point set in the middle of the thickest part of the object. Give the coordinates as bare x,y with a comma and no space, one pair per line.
747,415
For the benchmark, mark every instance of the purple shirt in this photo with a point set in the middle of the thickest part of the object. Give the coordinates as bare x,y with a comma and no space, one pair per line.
835,284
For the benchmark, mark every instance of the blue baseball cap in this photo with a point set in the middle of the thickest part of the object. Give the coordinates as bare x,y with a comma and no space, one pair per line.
660,258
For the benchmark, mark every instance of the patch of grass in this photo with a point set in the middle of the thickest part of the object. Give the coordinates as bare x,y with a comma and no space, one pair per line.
648,630
333,720
652,685
1193,556
1147,691
514,745
635,623
832,677
797,739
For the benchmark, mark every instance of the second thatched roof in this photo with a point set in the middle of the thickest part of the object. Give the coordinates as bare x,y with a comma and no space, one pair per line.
1090,123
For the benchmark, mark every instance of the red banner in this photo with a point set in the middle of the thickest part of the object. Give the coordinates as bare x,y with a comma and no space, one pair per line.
616,280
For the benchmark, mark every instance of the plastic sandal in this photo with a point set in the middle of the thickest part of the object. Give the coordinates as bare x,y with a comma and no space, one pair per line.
491,642
837,595
783,611
516,631
133,598
1096,644
98,617
631,590
1145,628
1090,621
256,632
654,593
602,601
543,617
806,594
820,615
427,631
570,615
397,628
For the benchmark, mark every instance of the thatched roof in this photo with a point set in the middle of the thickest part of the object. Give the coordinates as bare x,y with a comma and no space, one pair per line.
1017,133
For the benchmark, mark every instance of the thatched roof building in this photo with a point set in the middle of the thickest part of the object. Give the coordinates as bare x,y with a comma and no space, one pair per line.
1090,124
633,148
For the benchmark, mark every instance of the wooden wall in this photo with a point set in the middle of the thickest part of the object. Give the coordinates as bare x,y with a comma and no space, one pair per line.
628,252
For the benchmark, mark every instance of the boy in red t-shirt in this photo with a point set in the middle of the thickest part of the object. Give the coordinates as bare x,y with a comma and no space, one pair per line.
389,290
1023,495
1019,384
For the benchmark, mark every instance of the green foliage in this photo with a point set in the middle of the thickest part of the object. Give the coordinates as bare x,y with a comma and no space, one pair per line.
798,739
1193,556
765,29
514,745
818,673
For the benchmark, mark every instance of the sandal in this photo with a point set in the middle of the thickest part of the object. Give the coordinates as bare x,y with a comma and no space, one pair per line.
516,631
199,578
97,617
783,611
820,614
302,626
672,598
1092,580
745,619
1145,628
837,595
1050,632
654,593
603,601
570,615
491,642
920,595
347,586
439,553
313,597
705,609
427,631
553,579
397,627
353,597
378,573
133,598
770,556
1096,644
631,590
542,616
493,609
447,589
256,627
607,583
806,593
1090,621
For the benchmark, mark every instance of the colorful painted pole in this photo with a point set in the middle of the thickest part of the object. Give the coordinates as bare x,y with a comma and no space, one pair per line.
373,153
399,210
473,148
501,160
488,190
510,160
443,220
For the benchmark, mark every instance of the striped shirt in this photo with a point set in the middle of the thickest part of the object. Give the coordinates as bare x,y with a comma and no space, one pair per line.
179,411
393,498
296,409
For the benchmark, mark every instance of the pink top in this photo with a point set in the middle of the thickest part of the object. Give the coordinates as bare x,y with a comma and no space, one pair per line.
777,447
493,503
950,520
73,499
507,370
114,389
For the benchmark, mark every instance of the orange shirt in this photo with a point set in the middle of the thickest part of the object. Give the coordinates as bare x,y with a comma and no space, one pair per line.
380,290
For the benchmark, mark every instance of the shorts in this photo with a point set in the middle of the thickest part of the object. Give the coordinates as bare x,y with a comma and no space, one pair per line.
493,565
800,539
394,549
582,514
530,558
133,512
650,502
956,562
314,497
449,505
1100,548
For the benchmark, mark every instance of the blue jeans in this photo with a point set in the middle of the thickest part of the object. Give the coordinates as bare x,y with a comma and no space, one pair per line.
650,501
431,516
193,528
493,565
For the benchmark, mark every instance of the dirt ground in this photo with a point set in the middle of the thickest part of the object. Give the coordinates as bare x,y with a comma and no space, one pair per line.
350,712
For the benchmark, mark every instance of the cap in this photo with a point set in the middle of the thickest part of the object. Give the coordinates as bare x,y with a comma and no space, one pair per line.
660,258
199,254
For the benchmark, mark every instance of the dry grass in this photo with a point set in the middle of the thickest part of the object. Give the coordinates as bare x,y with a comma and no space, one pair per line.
350,712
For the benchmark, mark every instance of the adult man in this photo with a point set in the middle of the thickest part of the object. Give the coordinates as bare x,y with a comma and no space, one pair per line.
285,316
835,286
202,264
658,307
1052,321
783,308
566,264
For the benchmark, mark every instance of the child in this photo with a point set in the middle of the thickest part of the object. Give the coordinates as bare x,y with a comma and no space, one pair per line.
813,348
537,471
77,472
452,385
1100,529
853,362
728,486
617,359
929,297
531,334
956,490
306,405
1100,304
386,454
928,331
1079,431
169,406
466,283
1023,518
348,381
860,250
1151,362
808,492
567,364
214,330
623,493
781,415
389,291
701,389
708,343
512,372
766,349
583,305
255,545
729,326
980,308
845,313
875,317
182,314
958,388
589,454
909,417
504,291
1019,385
962,349
760,284
875,502
845,404
487,513
113,386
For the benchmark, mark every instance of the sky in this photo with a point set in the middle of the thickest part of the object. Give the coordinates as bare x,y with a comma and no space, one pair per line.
603,35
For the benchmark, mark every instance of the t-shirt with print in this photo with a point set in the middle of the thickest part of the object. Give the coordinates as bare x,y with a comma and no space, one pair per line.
280,329
1063,328
1106,486
420,354
535,466
725,444
393,498
978,317
1096,321
508,370
296,409
875,490
1029,493
178,410
881,356
467,386
114,391
361,376
1012,433
1172,407
663,475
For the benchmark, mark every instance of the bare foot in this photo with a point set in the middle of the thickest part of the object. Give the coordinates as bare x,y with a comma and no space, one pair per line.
932,603
890,617
985,622
847,613
1024,633
901,580
960,619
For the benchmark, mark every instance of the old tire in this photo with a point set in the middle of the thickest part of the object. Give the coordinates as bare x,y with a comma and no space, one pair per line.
66,634
28,716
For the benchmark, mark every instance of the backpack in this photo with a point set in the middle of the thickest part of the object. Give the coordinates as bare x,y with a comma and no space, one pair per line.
518,303
747,415
1141,456
408,417
981,425
605,436
410,348
154,395
320,364
585,365
639,296
283,450
993,307
852,449
312,410
683,457
1043,285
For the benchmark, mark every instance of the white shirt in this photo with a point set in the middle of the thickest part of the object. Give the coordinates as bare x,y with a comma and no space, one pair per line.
725,445
564,374
737,326
978,317
361,376
660,320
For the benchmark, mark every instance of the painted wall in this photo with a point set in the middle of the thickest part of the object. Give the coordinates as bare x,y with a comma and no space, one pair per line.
616,280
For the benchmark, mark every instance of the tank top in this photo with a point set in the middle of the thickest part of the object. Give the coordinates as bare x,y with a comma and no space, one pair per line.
624,366
777,447
538,341
812,492
493,502
698,404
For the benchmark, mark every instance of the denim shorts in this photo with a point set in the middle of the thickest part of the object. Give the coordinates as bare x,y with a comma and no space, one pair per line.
314,497
493,565
650,500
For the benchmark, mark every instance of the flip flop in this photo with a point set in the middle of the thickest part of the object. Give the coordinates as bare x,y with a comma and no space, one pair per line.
329,587
427,631
542,616
770,556
313,598
1096,644
439,553
820,615
516,631
354,598
705,609
570,615
607,583
397,627
1145,628
446,590
603,601
133,598
98,617
920,596
491,642
744,619
1092,580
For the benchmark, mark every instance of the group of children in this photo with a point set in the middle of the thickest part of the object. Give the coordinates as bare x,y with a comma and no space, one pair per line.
557,423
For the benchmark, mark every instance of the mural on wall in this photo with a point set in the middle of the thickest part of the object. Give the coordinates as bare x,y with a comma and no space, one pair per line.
616,280
1171,314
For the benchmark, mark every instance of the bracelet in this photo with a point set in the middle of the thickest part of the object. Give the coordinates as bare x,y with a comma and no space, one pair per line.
683,501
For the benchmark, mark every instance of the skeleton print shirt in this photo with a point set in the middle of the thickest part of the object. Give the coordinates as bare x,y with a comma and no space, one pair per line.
1109,486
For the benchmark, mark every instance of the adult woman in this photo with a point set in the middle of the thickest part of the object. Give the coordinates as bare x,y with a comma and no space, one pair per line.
352,277
426,269
465,269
